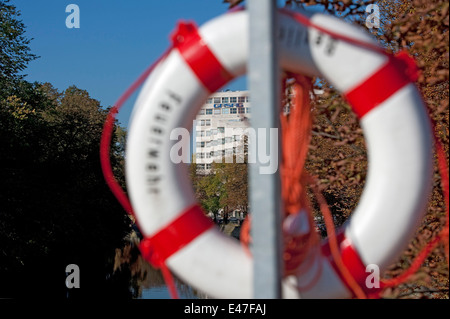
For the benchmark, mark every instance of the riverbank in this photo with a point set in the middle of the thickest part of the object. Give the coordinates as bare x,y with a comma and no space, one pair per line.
231,230
147,282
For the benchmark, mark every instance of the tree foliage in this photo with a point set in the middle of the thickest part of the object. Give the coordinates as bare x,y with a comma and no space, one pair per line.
56,208
14,50
225,187
337,152
422,28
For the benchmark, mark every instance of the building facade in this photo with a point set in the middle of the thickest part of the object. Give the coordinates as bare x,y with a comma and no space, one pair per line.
219,128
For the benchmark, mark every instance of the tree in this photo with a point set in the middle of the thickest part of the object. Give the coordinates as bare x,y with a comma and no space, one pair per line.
56,209
14,45
212,188
235,176
225,187
421,28
337,152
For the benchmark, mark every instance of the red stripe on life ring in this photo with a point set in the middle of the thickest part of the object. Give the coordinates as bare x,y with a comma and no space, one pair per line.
352,262
394,75
199,57
180,232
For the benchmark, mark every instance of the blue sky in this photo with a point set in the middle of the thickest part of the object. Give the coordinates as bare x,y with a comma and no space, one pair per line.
116,41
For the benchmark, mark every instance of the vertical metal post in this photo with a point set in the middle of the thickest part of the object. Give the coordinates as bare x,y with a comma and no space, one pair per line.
265,204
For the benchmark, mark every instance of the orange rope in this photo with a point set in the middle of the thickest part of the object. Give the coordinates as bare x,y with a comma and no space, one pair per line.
296,135
244,235
300,250
296,132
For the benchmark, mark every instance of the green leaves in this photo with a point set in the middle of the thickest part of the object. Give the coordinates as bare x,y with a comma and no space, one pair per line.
56,206
225,187
14,50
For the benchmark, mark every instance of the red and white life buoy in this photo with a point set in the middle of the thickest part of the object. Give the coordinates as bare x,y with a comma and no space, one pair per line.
392,116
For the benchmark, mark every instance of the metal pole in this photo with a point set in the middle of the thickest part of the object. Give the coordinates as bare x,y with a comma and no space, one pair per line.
265,204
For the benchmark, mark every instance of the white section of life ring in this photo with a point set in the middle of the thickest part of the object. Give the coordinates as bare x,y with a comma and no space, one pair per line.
395,191
400,164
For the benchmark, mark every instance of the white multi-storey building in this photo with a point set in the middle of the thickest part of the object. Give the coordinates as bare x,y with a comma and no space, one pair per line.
219,127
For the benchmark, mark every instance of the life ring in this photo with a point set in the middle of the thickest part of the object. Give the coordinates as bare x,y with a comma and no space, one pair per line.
391,113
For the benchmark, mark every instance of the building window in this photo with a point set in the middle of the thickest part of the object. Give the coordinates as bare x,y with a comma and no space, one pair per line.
208,155
217,111
200,166
236,138
217,100
233,110
208,133
225,99
202,123
221,129
209,100
241,99
225,111
201,133
208,122
209,111
214,131
249,110
223,141
247,99
201,155
202,112
241,110
233,99
208,166
229,151
228,139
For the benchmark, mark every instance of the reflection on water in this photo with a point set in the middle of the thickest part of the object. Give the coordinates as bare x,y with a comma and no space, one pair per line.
162,292
147,282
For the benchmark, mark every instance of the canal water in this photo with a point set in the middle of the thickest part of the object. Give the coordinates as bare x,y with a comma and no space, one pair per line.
154,287
162,292
147,282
